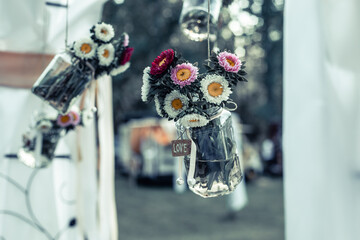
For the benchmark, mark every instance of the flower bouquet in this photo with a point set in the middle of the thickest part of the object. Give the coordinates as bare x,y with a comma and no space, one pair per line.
197,103
70,73
40,141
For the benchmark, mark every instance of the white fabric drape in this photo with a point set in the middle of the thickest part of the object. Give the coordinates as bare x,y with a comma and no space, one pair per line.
321,119
82,144
107,206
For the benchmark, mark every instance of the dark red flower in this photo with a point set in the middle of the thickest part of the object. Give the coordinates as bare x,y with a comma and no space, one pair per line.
126,55
162,62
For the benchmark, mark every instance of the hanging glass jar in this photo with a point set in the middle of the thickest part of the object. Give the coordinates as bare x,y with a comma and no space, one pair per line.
194,18
213,167
39,144
197,103
62,82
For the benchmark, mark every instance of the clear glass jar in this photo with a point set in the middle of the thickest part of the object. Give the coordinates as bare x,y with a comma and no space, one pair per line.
39,146
217,168
194,18
62,82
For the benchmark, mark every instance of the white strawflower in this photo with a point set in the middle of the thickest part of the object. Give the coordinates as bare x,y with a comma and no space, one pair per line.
120,69
85,48
106,54
215,88
158,106
145,88
44,125
193,120
126,40
104,32
174,103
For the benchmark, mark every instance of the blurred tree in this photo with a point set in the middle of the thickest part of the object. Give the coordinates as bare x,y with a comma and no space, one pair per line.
257,28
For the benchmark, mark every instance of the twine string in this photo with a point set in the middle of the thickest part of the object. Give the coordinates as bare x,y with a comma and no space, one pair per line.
191,174
67,24
208,31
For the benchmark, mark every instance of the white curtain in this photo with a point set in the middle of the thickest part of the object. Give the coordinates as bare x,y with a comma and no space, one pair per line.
33,26
65,200
34,204
321,119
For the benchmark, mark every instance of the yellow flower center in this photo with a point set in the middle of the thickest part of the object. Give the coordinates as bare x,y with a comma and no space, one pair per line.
230,62
162,62
106,53
176,104
65,119
104,31
85,48
215,89
183,74
194,120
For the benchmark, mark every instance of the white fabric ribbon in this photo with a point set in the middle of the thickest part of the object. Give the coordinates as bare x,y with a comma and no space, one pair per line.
231,109
190,177
38,147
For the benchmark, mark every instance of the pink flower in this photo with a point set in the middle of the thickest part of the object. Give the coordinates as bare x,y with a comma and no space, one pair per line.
126,55
230,62
184,74
64,120
162,62
75,118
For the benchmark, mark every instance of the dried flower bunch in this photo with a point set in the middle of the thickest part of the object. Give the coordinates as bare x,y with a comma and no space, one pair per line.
105,54
66,122
181,93
41,139
70,73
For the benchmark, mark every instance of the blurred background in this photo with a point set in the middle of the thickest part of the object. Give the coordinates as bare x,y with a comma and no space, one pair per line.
150,205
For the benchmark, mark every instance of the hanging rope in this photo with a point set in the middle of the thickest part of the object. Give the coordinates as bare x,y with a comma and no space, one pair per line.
208,31
180,180
67,16
67,24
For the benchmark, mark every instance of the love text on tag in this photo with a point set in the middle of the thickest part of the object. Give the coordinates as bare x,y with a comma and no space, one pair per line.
181,147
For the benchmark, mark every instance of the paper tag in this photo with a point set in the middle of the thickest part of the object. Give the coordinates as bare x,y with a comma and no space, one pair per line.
180,147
